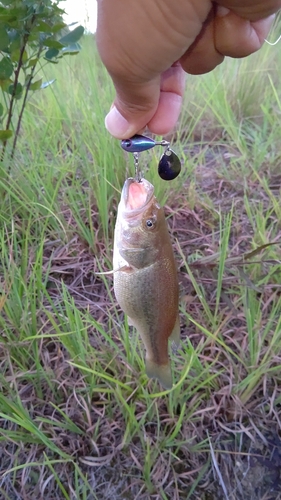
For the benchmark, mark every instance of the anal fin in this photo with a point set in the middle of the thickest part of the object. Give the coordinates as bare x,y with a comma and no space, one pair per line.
175,335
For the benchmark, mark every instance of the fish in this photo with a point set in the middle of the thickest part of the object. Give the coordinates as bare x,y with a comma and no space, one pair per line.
145,275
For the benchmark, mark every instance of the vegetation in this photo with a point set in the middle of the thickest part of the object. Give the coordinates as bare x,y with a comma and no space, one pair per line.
29,32
78,417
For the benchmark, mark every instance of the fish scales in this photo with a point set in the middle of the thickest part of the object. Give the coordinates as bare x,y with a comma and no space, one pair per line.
152,300
145,274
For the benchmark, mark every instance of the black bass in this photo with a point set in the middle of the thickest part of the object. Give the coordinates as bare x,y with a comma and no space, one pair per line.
145,275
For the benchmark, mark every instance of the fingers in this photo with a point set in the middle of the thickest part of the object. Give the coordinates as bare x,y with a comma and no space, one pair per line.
253,10
203,55
138,42
155,104
237,37
224,34
196,33
170,101
133,108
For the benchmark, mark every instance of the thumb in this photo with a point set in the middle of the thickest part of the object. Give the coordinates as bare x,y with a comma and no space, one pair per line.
134,106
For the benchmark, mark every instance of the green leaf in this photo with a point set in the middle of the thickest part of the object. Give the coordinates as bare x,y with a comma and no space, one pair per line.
8,18
33,37
15,55
15,15
43,27
53,61
53,44
6,68
15,44
1,109
4,84
46,84
74,48
27,79
5,134
32,62
17,92
58,27
13,35
73,36
4,39
36,85
51,53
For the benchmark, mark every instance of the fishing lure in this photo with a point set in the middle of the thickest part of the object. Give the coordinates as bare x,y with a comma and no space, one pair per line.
169,165
139,143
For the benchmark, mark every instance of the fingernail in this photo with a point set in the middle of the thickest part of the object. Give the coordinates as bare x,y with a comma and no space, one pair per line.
117,125
222,11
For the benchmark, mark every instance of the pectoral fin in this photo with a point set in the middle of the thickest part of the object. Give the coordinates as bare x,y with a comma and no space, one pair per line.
136,257
161,372
125,269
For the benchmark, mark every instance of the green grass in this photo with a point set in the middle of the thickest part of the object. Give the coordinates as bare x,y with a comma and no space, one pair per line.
78,417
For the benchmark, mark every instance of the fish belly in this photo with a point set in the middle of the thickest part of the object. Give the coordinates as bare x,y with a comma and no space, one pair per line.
149,296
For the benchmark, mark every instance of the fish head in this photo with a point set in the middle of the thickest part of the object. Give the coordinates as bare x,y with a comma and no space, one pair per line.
141,222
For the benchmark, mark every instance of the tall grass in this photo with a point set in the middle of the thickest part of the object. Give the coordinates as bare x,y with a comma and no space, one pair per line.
79,418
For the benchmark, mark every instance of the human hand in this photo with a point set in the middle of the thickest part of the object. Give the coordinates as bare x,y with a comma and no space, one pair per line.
148,45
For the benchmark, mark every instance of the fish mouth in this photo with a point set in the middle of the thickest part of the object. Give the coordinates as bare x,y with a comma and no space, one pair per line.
136,196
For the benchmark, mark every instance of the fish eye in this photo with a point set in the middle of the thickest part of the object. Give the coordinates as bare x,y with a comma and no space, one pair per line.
149,223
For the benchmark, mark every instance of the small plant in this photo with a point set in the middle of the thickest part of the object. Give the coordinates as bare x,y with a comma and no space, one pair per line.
29,34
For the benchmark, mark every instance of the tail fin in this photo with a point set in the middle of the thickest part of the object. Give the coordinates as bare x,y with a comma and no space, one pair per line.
161,372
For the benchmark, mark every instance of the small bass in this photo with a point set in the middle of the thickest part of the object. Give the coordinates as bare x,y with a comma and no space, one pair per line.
145,275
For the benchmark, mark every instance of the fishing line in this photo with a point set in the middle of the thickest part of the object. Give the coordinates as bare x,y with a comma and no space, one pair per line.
276,22
274,43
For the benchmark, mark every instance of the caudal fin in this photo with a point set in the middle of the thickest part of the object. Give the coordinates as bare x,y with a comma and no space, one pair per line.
161,372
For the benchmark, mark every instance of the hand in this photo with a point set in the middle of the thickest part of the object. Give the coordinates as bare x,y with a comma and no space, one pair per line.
148,45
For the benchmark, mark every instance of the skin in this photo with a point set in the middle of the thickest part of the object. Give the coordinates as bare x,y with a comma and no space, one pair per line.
147,47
